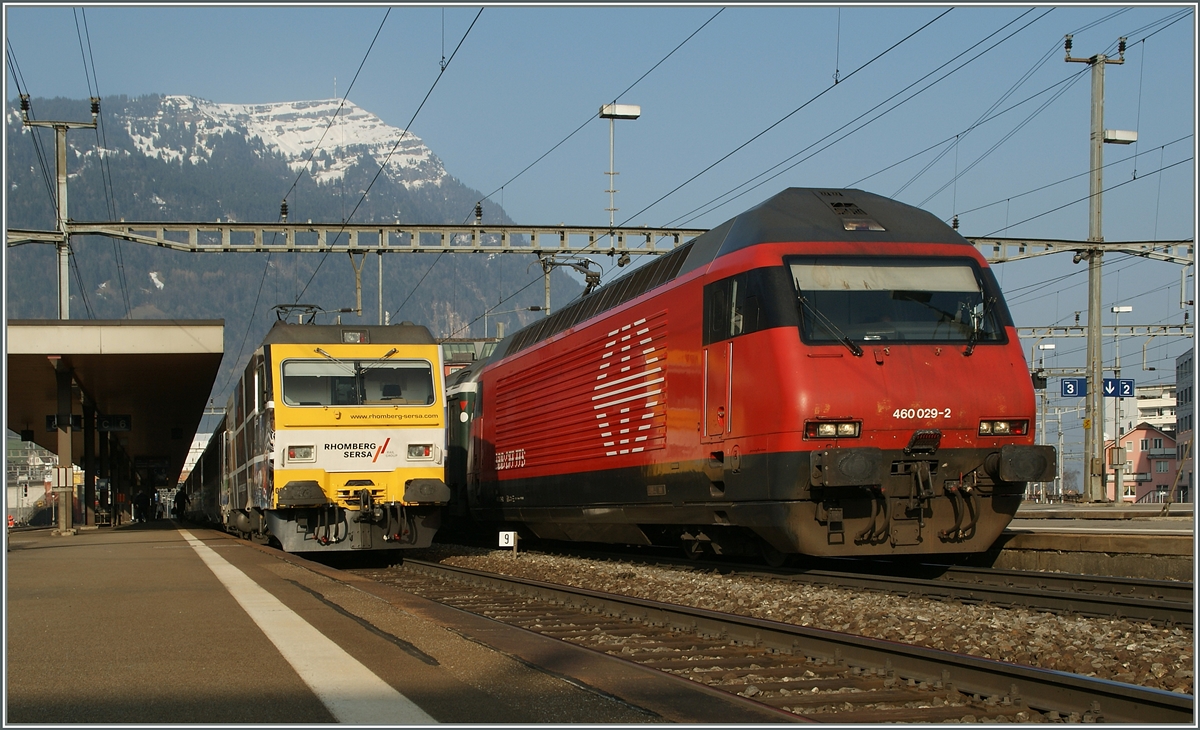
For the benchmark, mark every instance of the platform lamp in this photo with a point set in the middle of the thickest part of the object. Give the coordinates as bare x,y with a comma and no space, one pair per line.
612,112
1042,348
1119,480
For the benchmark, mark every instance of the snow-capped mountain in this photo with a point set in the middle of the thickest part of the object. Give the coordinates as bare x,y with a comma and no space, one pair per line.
326,136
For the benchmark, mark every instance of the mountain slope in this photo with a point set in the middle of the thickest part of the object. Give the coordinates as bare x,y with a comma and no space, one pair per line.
178,158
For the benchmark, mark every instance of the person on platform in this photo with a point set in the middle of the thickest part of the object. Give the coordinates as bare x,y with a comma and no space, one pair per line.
181,504
141,506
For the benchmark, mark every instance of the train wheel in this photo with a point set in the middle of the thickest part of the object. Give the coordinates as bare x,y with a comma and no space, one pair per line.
693,549
770,555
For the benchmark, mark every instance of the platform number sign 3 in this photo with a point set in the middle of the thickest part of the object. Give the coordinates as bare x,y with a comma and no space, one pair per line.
1074,387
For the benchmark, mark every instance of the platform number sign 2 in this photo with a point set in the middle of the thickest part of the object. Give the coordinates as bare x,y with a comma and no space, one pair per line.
509,540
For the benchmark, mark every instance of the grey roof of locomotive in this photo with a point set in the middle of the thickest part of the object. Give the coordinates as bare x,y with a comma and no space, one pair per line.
331,334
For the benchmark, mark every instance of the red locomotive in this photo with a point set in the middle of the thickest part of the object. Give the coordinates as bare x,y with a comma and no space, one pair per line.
829,373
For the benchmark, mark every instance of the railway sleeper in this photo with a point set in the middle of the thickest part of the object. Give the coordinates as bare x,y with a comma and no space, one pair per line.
584,632
806,671
725,652
715,650
530,615
967,713
726,663
844,696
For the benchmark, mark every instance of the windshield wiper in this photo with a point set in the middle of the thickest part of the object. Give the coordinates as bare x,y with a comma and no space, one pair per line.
351,369
383,360
977,326
831,327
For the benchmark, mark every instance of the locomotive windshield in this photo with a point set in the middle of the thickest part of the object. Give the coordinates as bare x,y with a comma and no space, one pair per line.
357,382
881,299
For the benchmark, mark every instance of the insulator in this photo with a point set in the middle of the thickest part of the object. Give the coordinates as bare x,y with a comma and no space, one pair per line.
95,105
1068,44
1121,47
955,222
283,210
24,103
478,212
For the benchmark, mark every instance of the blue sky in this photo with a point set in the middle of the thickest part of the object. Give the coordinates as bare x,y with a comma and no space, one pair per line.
524,78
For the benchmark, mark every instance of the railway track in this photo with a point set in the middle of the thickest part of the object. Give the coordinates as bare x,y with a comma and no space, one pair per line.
822,675
1160,602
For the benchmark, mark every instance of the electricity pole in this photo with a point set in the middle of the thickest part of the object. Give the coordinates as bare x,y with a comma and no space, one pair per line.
60,159
1093,422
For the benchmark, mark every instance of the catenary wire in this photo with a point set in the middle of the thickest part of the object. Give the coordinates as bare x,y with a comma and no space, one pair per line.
985,115
1072,177
104,163
338,111
1022,124
391,152
694,214
1080,200
783,119
18,81
545,154
951,138
267,262
592,117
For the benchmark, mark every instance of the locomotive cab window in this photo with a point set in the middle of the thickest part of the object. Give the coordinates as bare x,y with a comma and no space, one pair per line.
731,308
884,299
357,382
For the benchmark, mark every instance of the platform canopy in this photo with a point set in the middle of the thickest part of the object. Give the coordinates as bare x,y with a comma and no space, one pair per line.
157,372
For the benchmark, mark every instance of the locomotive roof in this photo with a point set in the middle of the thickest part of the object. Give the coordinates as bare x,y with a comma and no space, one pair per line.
793,215
821,214
332,334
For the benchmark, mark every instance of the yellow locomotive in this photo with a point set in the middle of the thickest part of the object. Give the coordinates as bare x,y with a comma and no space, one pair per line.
334,439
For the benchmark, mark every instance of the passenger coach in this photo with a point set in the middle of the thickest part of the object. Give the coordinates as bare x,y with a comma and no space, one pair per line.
829,373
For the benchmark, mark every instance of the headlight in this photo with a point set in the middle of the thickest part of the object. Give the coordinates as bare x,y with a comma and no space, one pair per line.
420,451
832,429
300,453
1003,428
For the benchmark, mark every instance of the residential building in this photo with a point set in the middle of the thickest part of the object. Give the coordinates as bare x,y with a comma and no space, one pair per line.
1150,464
1185,427
1156,405
28,470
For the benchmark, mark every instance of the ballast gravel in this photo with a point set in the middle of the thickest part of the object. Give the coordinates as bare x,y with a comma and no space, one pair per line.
1117,649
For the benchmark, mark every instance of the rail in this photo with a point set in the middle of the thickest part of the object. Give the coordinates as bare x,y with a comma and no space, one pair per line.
898,671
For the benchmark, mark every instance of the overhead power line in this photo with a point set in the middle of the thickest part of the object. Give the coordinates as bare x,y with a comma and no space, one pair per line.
102,159
338,111
388,157
785,117
592,116
1087,197
776,168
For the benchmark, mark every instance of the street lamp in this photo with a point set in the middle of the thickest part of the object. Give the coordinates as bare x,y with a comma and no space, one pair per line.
611,112
1119,481
486,314
1043,347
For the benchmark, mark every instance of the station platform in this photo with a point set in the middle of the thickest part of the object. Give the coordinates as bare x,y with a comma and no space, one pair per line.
162,623
1135,541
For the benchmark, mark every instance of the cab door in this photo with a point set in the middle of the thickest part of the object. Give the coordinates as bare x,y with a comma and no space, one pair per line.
717,376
